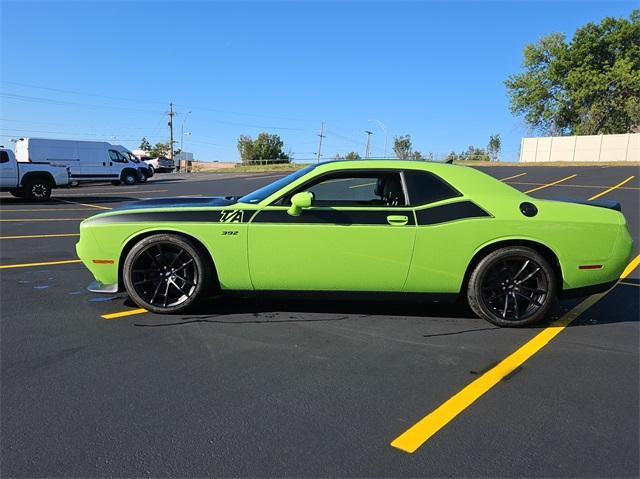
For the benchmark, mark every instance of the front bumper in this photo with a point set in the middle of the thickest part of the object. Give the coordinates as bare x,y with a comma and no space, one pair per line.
98,287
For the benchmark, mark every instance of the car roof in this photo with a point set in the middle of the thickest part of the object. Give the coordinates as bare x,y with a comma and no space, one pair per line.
383,164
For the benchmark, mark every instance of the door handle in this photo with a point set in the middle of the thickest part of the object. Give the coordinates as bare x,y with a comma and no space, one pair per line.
397,220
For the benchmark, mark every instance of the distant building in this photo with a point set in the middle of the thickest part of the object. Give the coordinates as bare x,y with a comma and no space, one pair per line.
588,148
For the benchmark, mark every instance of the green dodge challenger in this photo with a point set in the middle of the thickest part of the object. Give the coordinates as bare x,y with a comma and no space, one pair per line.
363,226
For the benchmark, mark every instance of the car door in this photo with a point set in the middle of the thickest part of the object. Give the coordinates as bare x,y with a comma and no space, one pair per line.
8,171
357,235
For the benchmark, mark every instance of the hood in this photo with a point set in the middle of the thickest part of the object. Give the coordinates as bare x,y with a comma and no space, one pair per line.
179,203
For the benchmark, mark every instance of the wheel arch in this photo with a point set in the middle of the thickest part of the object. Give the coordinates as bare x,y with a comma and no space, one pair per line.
132,240
541,248
36,175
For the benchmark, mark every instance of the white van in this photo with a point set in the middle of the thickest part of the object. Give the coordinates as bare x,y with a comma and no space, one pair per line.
144,171
86,160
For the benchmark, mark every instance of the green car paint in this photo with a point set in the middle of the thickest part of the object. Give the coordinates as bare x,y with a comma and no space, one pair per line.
423,248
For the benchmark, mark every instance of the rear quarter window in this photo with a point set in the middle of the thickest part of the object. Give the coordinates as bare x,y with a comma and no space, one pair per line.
424,188
4,157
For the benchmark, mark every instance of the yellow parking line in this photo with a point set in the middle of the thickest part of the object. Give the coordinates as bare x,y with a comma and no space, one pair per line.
550,184
123,314
32,220
612,188
511,177
635,262
414,437
47,263
61,235
83,204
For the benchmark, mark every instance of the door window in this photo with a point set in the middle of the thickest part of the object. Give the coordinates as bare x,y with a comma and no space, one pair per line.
364,189
116,156
424,188
4,157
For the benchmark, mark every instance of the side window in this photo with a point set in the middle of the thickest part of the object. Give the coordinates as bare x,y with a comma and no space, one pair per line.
356,189
115,156
4,157
425,188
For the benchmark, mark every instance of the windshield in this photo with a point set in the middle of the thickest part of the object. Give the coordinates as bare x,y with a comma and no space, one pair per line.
266,191
132,157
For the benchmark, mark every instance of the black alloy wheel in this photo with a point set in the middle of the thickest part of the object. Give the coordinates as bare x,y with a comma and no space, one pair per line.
513,286
166,273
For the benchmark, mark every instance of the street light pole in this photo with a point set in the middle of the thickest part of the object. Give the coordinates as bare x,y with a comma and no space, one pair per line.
182,137
369,133
383,127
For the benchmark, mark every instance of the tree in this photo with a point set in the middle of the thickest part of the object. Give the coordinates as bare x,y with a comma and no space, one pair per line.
266,147
402,146
493,148
159,149
589,85
352,155
145,145
245,148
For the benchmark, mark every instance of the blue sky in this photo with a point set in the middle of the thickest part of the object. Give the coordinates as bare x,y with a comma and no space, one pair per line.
434,70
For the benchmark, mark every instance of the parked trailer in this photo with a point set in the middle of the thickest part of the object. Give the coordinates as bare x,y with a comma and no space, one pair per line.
86,160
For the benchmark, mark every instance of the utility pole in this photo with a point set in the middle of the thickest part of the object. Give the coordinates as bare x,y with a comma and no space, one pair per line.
320,144
170,124
369,133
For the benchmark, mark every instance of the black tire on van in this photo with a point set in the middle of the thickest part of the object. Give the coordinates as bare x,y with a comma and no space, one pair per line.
129,177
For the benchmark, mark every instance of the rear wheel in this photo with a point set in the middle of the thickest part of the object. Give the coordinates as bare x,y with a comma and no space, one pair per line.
167,273
37,189
513,286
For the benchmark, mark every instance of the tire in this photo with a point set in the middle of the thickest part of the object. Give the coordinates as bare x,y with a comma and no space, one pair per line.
152,171
129,177
17,192
513,286
116,183
142,178
152,274
37,189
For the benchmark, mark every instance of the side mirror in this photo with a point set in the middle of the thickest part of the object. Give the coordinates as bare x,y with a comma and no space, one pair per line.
300,201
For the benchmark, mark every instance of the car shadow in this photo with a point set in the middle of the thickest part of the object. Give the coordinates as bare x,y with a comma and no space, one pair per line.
259,308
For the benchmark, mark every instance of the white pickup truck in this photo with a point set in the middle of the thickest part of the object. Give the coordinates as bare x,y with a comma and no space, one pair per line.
33,181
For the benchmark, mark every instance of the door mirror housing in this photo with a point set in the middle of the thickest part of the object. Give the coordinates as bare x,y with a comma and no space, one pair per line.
299,202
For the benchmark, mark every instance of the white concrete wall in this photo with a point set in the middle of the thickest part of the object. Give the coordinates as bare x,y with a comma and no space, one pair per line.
588,148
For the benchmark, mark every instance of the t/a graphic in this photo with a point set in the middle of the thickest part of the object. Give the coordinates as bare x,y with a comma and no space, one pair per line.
231,216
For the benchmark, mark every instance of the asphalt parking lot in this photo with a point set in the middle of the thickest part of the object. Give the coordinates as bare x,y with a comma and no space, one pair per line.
262,386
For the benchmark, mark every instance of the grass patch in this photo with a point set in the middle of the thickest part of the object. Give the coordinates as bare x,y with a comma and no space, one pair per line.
285,168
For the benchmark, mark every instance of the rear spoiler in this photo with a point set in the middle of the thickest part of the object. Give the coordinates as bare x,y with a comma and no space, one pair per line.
612,205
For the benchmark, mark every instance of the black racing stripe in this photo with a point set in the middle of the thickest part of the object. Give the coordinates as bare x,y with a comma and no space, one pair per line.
451,212
205,216
329,216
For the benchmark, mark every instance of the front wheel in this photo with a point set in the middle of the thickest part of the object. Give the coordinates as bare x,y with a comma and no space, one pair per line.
513,286
129,177
166,273
152,170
